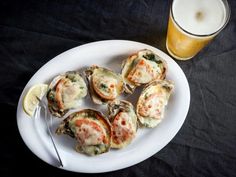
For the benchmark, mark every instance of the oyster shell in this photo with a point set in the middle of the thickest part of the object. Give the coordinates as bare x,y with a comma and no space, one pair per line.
152,102
91,130
123,121
142,68
65,93
104,84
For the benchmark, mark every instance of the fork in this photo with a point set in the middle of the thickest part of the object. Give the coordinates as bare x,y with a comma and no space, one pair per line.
43,104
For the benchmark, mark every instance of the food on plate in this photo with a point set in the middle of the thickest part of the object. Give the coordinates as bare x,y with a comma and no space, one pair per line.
105,85
123,121
31,101
94,133
152,102
91,130
142,68
65,93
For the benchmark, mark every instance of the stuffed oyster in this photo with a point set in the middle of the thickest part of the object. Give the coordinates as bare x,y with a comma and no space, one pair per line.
65,93
142,68
123,121
152,102
104,84
91,130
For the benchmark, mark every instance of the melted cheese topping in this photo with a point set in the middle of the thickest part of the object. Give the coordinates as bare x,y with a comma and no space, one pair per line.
67,93
152,103
71,92
122,128
144,71
89,132
106,87
152,106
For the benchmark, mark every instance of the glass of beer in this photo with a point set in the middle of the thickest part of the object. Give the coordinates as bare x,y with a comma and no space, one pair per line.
193,24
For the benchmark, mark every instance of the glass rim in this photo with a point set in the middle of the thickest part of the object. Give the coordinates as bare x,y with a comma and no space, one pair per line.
228,13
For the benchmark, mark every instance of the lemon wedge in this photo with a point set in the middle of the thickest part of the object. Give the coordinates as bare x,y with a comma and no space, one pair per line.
30,101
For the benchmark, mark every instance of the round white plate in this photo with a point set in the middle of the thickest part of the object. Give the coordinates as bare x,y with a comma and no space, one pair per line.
147,142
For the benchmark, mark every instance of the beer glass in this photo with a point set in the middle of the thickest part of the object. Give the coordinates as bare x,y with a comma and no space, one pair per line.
193,24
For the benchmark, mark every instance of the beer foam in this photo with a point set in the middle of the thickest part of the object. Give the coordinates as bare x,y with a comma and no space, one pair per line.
200,17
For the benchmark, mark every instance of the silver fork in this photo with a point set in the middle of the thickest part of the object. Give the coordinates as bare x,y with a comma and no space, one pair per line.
43,104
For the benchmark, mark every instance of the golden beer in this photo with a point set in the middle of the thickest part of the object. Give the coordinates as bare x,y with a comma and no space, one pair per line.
192,26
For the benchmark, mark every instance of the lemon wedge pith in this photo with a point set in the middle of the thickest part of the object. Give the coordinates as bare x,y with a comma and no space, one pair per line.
30,101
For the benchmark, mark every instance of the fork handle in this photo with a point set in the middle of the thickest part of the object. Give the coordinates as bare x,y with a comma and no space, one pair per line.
51,137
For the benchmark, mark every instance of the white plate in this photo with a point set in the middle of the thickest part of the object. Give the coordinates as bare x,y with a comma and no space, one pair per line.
147,142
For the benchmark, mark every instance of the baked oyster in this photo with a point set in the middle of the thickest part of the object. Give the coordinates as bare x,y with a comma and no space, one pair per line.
104,84
65,93
91,130
142,68
123,121
152,101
